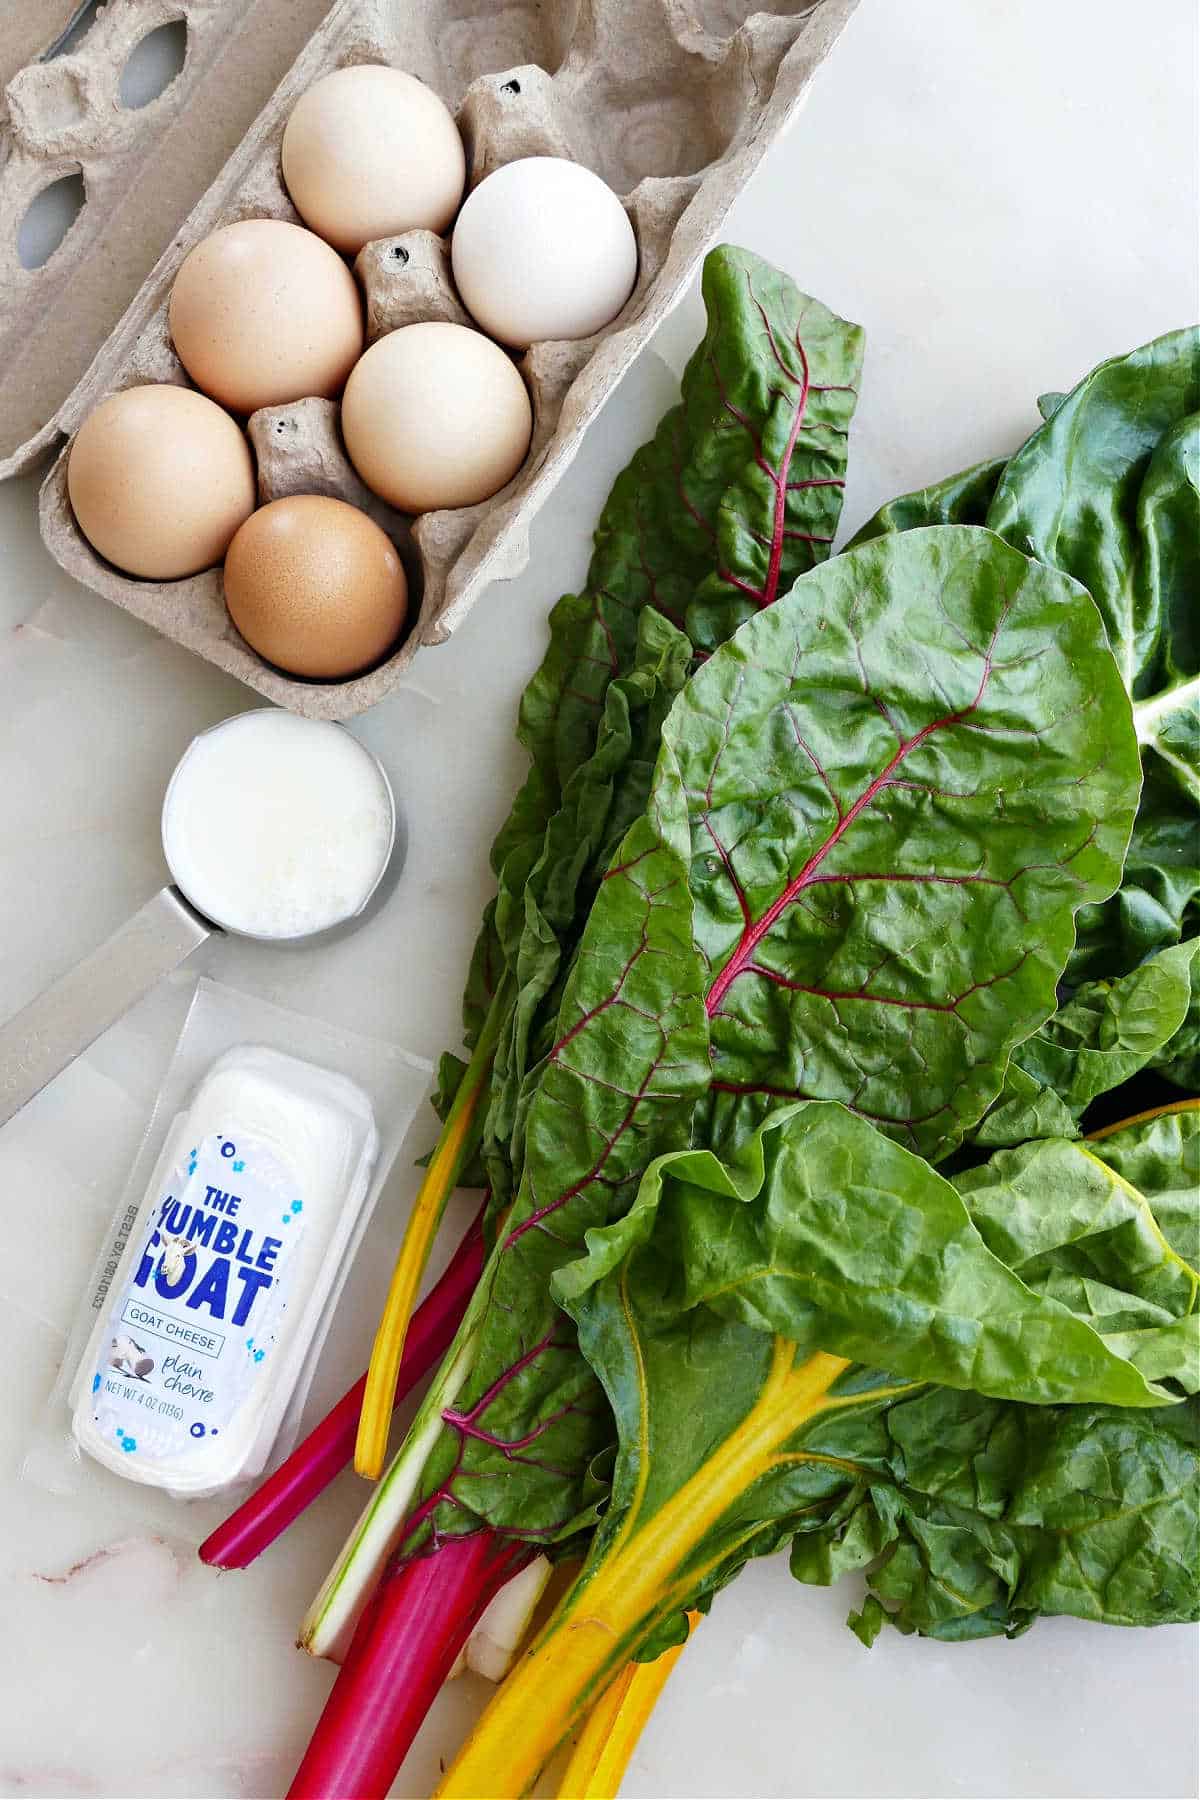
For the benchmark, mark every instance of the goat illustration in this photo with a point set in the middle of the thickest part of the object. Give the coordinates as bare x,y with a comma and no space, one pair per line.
173,1257
130,1358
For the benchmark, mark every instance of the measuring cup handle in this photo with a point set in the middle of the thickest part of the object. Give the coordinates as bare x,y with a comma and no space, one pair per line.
38,1042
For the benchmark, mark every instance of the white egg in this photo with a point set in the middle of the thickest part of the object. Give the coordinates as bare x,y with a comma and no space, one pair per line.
543,249
436,415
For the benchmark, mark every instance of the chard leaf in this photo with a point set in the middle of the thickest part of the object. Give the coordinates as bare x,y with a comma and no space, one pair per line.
972,1507
620,1083
1073,495
539,919
1107,490
1167,720
935,910
1169,522
1023,1109
775,383
1090,1511
824,1232
1156,1154
902,781
839,1236
1105,1034
1111,1029
1077,1229
1159,899
697,499
754,455
958,500
1168,728
1179,1060
993,1515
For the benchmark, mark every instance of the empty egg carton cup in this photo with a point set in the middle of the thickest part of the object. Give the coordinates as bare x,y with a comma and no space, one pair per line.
672,102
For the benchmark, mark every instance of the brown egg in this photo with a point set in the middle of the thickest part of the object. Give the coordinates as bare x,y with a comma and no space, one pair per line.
315,587
264,312
160,479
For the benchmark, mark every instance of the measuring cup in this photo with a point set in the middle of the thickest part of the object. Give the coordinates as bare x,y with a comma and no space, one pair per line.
274,827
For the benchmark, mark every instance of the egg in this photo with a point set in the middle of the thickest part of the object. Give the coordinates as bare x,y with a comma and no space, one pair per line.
543,249
315,587
263,312
435,415
159,480
368,152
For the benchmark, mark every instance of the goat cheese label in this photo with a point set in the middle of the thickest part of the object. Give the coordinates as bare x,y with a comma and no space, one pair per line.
192,1329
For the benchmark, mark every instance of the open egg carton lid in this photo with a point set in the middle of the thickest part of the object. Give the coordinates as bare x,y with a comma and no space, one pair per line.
672,102
128,108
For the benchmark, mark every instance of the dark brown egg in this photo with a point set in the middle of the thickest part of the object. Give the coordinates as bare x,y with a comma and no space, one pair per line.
315,587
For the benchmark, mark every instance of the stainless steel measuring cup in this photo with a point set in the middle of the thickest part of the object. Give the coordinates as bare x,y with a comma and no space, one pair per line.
38,1042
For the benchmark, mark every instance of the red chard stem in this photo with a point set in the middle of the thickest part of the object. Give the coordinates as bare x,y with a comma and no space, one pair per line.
406,1643
327,1449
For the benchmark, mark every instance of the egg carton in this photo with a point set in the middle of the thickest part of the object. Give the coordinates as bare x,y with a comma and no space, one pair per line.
672,102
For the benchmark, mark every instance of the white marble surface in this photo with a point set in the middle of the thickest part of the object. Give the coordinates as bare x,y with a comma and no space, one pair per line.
1002,192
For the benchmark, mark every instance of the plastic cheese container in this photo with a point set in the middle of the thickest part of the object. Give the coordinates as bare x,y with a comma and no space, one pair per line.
230,1274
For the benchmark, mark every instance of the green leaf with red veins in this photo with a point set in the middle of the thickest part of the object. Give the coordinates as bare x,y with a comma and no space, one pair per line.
1108,491
777,375
545,917
903,780
739,491
618,1088
756,447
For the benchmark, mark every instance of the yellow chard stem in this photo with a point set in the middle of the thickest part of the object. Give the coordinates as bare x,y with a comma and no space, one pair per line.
614,1725
1142,1118
570,1665
458,1140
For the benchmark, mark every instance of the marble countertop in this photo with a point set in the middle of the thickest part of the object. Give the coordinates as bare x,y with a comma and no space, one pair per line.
1003,193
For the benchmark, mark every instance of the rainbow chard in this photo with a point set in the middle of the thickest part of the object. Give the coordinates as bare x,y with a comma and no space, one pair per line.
765,1294
506,1437
304,1475
854,881
1121,1239
739,491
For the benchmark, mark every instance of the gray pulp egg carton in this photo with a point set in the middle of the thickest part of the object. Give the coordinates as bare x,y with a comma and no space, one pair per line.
672,102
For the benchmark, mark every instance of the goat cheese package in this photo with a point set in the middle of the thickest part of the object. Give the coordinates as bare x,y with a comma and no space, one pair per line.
236,1252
